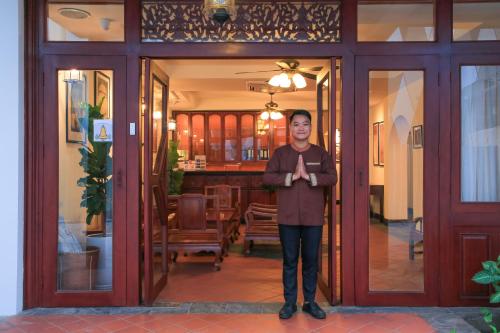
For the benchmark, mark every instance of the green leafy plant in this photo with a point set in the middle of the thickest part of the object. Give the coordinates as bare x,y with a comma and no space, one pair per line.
175,176
96,162
490,275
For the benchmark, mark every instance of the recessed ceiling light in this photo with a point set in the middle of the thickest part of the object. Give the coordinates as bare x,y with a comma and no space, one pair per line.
74,13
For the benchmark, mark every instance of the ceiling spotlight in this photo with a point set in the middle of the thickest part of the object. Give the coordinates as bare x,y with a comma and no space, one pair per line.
73,13
104,23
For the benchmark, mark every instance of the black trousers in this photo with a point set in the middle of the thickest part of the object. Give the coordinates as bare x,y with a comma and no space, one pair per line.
293,239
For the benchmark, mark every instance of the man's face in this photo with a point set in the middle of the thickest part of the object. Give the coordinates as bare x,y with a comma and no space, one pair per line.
300,127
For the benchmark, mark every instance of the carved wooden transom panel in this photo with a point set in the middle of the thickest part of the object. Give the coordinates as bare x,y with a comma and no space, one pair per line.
262,21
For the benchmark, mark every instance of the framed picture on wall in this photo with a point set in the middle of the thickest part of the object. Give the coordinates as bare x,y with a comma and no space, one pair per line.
376,143
102,92
418,136
76,100
381,143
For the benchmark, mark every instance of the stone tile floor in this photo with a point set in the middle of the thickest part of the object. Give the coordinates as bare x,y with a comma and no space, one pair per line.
237,318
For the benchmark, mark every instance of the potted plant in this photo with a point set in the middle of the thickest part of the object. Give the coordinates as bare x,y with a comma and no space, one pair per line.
97,184
175,176
490,275
97,163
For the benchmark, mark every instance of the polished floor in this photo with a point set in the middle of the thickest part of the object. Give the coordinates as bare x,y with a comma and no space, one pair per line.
253,278
224,323
257,277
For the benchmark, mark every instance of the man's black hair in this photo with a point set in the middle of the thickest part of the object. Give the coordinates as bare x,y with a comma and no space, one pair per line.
302,113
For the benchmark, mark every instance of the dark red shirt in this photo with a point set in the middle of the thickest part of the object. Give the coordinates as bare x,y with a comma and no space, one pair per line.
300,202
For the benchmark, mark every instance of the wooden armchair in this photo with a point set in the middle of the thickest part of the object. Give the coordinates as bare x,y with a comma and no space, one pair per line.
262,224
191,233
416,236
229,199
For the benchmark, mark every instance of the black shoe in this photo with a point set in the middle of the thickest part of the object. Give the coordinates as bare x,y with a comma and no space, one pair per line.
314,310
288,310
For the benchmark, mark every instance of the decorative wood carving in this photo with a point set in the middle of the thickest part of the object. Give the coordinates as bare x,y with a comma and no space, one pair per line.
269,21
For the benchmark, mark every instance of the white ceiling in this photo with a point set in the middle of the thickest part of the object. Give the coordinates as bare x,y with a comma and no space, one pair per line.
212,84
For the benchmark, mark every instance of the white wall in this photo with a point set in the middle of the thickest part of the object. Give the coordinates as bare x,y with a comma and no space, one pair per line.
12,148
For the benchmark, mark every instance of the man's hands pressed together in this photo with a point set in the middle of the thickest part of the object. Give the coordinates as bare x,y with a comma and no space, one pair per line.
300,170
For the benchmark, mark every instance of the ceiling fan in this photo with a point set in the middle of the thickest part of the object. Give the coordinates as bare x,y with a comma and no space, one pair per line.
271,110
290,72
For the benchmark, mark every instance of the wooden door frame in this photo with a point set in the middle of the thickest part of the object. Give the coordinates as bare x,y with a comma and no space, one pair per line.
49,182
430,66
152,289
330,74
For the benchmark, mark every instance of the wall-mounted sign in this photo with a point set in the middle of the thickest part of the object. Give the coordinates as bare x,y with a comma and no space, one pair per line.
103,130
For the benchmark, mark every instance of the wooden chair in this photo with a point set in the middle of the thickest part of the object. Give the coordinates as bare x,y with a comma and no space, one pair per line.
261,224
191,233
229,199
416,236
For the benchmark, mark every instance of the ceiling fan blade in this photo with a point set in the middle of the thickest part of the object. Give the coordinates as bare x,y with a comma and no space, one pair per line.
271,70
283,64
310,69
308,75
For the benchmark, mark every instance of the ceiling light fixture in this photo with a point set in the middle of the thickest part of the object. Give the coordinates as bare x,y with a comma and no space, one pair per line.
72,76
271,110
283,80
73,13
219,10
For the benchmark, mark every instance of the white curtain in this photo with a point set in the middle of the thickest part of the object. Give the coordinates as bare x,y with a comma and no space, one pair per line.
480,114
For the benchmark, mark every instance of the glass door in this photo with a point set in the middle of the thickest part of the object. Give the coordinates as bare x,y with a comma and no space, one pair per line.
154,180
328,119
83,217
396,206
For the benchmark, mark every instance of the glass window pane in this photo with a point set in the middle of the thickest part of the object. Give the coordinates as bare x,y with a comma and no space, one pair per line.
198,123
182,133
396,221
279,131
85,21
85,223
158,110
214,137
476,20
480,135
230,138
247,137
262,139
395,22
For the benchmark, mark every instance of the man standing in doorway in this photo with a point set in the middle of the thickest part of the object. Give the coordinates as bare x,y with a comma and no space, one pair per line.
301,170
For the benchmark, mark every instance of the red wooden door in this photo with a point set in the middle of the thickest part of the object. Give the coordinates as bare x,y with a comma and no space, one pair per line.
155,180
83,186
396,206
326,86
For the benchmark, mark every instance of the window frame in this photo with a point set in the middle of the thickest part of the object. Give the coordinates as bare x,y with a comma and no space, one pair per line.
457,204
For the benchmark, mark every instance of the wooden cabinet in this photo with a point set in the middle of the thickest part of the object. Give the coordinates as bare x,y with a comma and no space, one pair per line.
229,136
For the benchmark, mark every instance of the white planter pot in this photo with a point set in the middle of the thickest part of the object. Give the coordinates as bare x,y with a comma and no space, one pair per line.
104,277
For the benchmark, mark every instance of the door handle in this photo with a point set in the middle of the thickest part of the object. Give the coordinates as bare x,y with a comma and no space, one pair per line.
360,174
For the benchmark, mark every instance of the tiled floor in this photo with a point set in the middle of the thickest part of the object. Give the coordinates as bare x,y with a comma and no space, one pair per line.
253,278
257,278
242,323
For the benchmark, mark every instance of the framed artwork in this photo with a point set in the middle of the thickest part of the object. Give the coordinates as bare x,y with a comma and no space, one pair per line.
418,136
378,143
381,143
102,90
375,143
76,100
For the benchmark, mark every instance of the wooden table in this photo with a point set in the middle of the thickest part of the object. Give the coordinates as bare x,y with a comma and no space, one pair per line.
229,221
